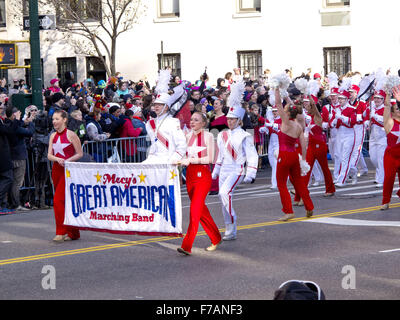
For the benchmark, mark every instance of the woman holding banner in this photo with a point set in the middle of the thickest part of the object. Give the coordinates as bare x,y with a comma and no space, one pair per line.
200,154
64,145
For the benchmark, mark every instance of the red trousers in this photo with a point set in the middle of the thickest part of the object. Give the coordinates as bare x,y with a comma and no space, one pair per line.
198,184
391,165
318,152
58,177
288,165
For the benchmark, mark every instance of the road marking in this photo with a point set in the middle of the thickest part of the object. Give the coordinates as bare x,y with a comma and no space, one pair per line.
161,239
355,222
391,250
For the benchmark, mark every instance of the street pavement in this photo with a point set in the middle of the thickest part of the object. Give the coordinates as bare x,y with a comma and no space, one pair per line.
349,247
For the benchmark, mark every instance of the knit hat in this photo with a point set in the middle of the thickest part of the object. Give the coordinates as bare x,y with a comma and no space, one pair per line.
57,97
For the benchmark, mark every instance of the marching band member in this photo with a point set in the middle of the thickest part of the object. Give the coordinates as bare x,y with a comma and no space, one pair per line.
272,128
168,142
288,159
345,117
64,145
329,122
377,138
236,148
317,148
391,120
359,132
200,154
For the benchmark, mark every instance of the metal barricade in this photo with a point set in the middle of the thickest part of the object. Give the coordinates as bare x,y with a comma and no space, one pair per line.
122,150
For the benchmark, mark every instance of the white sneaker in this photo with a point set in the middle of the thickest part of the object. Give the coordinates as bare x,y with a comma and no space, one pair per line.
354,180
315,184
379,185
230,232
340,185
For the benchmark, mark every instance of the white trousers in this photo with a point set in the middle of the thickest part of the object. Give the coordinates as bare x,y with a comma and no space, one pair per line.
345,146
272,147
333,150
228,181
359,132
377,147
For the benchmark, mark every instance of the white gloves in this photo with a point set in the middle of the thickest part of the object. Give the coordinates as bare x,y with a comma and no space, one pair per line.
250,175
263,130
215,173
248,179
304,166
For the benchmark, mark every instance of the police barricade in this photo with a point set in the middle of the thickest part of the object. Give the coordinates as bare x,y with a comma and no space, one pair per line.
120,150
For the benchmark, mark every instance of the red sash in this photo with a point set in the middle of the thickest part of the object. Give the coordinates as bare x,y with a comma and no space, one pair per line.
228,145
159,136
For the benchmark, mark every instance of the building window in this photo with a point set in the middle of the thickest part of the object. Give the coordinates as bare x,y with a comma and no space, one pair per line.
168,8
249,6
95,69
86,10
3,16
337,3
337,60
170,60
250,61
65,65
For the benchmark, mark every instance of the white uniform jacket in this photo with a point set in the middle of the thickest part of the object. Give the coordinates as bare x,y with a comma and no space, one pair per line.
168,142
235,148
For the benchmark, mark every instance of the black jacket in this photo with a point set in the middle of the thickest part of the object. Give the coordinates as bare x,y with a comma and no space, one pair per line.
17,140
6,131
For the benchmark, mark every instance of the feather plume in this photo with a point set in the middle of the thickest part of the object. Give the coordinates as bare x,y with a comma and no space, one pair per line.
356,79
380,80
313,88
391,82
271,97
345,84
164,77
333,80
301,85
236,96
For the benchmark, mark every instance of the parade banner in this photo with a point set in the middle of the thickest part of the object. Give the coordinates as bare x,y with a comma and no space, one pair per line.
125,198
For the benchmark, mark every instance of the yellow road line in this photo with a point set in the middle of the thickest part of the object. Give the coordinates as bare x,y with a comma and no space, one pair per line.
160,239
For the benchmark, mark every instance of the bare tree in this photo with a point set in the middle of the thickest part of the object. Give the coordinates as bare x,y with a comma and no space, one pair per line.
99,22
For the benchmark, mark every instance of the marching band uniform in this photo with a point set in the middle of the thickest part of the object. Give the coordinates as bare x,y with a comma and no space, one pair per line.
236,148
200,154
272,128
359,133
329,123
345,120
168,142
377,139
391,162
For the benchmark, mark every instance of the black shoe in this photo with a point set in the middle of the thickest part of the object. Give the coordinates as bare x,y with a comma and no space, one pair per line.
213,193
186,253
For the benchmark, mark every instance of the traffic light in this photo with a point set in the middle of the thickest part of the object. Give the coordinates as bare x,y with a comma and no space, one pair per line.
8,54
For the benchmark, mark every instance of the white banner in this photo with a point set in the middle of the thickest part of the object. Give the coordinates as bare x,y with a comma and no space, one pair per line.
125,198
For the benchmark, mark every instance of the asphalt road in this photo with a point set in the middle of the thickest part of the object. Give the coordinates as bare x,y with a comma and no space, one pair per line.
350,248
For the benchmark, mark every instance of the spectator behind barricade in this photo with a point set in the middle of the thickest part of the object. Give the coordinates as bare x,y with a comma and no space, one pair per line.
122,89
57,102
77,124
70,100
55,86
3,86
137,119
93,127
246,118
111,121
69,81
101,86
127,130
19,153
218,119
111,88
6,165
82,106
257,121
195,96
3,101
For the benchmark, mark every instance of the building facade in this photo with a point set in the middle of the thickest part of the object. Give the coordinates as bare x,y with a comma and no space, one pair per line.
324,35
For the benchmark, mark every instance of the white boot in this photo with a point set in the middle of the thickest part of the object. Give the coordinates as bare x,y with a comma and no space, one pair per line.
230,232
